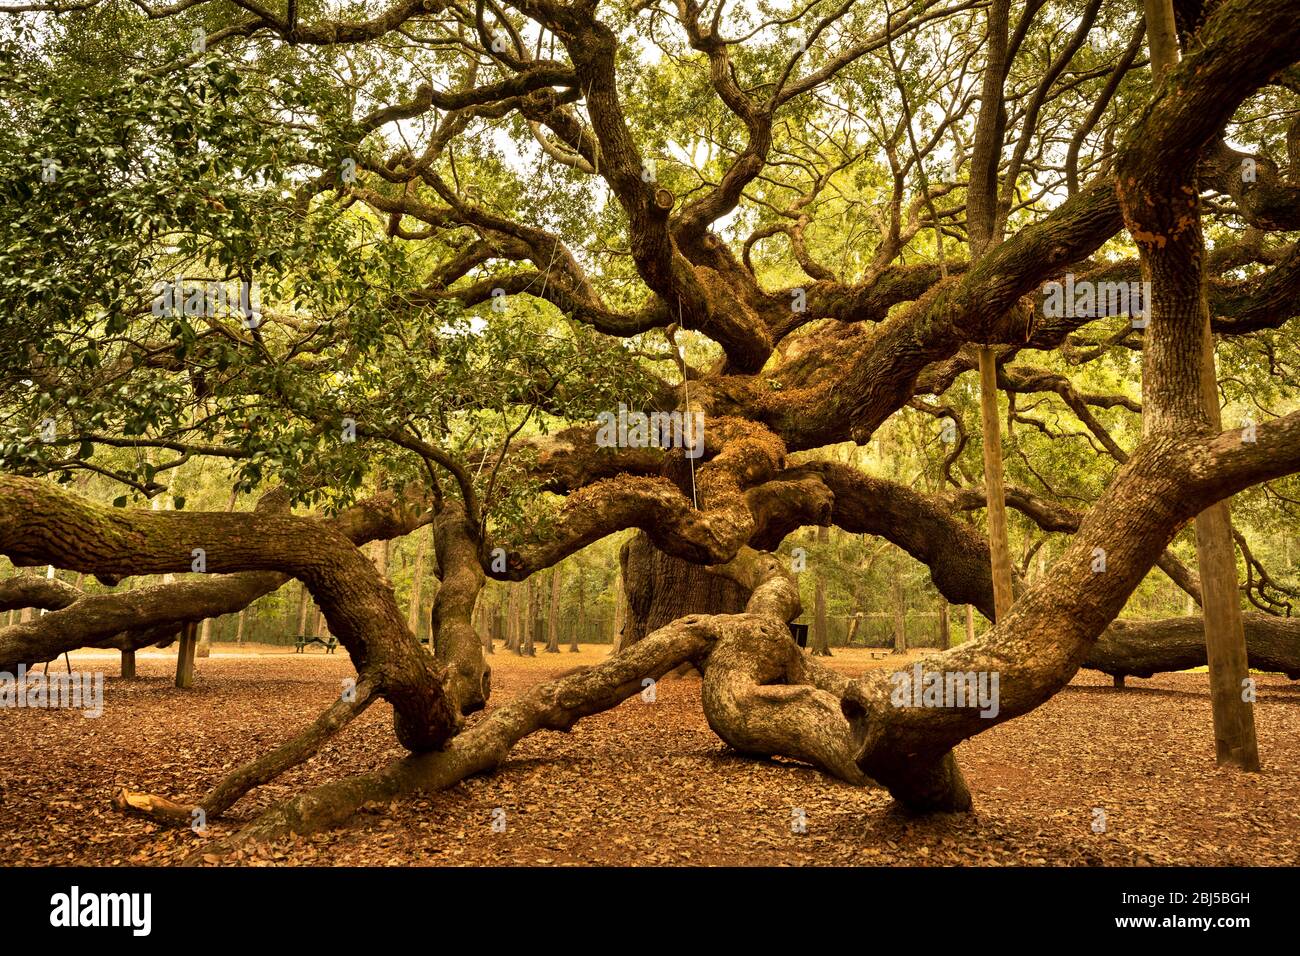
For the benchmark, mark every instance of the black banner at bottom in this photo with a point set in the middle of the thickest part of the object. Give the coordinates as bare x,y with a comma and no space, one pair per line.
130,907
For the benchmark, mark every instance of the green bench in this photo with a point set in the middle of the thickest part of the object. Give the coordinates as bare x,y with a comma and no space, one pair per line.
302,640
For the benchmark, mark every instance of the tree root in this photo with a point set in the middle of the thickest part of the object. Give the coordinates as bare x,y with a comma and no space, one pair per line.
749,662
554,705
264,769
762,698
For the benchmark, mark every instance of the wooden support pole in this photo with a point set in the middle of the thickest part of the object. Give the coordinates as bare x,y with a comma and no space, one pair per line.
128,665
999,547
1235,743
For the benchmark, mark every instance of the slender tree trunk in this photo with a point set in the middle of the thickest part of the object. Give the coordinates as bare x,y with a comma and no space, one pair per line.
620,614
945,638
185,657
581,630
417,581
553,616
530,618
821,644
304,602
970,623
515,618
518,602
851,631
900,613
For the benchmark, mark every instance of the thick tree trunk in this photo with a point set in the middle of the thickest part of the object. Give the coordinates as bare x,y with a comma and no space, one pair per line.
661,588
456,642
1181,283
1143,648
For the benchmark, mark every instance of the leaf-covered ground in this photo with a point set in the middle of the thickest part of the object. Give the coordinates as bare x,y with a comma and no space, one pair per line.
649,783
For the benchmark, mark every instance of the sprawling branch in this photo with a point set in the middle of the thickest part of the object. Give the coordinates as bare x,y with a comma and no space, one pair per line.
41,525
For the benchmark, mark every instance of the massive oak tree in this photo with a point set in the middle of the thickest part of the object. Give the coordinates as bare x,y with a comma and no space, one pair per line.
474,229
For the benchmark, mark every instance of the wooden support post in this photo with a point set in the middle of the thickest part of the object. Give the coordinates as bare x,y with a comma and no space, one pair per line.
1235,742
185,656
999,547
128,665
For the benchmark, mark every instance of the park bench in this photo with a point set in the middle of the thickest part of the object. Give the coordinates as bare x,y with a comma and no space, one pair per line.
302,640
879,652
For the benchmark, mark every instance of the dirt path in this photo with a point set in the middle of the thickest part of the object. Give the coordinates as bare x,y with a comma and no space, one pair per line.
649,783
